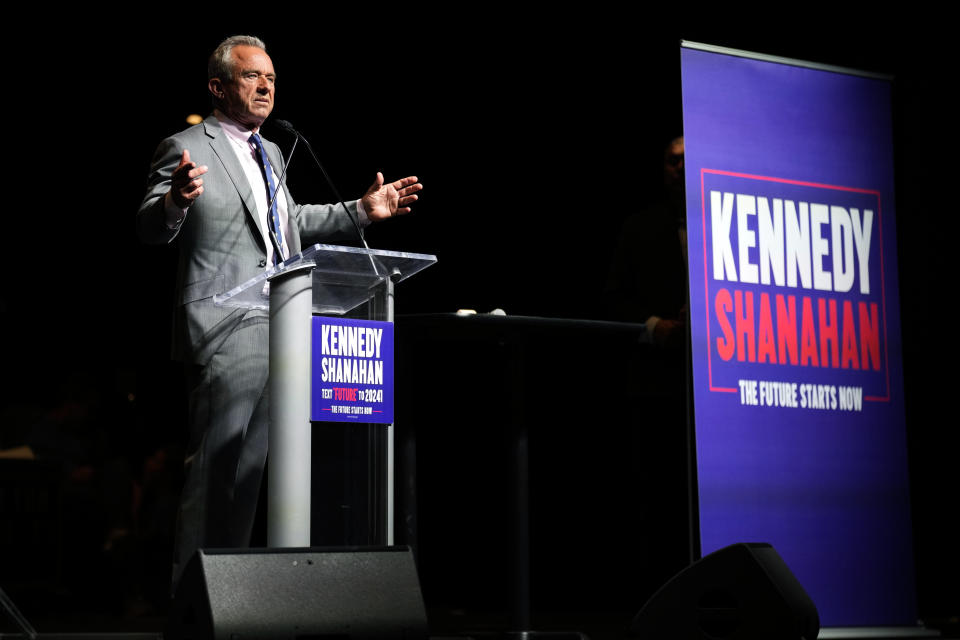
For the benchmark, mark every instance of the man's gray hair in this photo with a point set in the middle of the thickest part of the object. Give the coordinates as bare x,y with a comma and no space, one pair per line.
220,64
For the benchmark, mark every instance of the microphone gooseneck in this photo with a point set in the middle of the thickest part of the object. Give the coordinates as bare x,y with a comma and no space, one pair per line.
286,126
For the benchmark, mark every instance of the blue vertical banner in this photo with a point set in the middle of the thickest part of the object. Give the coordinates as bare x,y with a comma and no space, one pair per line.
795,327
352,370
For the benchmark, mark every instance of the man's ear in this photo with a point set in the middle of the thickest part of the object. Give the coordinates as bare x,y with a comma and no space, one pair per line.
216,87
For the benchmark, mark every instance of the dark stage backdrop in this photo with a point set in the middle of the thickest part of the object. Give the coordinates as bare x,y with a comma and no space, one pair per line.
535,134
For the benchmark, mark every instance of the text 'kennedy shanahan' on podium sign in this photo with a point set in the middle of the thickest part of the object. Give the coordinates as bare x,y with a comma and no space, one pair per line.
352,377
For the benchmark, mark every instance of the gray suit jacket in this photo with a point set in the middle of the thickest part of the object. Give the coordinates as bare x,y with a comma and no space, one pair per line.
221,244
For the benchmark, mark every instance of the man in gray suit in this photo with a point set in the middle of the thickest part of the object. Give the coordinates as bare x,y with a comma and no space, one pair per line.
210,188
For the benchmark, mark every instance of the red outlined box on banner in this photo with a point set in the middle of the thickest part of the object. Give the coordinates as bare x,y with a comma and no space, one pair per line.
885,397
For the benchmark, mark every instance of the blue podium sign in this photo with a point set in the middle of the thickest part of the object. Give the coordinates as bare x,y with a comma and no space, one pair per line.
795,328
352,370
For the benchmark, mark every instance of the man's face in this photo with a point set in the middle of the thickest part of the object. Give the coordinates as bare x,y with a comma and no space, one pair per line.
247,97
673,164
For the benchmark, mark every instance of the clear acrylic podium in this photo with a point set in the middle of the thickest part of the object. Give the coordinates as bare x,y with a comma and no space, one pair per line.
321,280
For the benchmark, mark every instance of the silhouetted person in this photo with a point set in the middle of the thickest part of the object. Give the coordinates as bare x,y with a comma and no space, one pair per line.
648,277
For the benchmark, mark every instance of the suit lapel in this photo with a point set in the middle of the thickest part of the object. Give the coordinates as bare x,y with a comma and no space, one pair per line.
220,145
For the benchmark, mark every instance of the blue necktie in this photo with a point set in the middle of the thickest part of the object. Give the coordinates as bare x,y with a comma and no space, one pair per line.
273,219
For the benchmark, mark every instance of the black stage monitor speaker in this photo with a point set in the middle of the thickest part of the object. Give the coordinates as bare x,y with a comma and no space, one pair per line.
308,594
743,592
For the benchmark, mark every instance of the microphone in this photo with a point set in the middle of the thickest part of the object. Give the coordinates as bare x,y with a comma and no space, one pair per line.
286,126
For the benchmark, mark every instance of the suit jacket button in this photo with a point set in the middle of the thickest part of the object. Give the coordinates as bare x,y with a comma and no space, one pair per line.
263,262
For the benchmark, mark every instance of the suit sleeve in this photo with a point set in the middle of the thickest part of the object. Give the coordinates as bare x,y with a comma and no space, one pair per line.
324,223
151,218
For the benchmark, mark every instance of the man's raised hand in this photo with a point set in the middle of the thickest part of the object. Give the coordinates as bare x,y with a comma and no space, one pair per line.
385,200
186,185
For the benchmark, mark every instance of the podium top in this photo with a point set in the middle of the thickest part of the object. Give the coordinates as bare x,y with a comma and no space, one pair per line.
344,277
